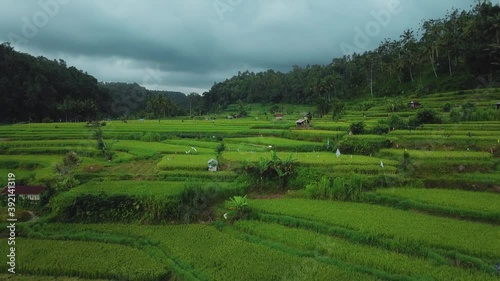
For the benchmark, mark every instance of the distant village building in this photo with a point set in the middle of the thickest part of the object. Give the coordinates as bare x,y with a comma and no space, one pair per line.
279,116
26,192
498,105
414,104
213,165
305,121
300,123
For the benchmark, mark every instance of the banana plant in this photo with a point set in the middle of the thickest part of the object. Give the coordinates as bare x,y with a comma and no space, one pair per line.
237,206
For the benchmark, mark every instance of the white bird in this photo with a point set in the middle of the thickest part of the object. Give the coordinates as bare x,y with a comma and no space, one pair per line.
195,150
225,216
189,151
381,164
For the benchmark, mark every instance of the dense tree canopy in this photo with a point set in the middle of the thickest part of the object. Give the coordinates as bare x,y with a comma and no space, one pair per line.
461,51
133,100
37,89
33,89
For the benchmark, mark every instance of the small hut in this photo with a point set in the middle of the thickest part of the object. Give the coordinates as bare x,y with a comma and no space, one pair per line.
213,165
498,105
300,123
414,104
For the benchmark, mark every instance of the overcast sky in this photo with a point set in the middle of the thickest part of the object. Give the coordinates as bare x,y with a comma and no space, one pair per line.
187,45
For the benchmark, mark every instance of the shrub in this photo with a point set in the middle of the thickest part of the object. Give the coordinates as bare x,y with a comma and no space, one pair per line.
396,122
337,108
425,116
69,163
428,116
496,151
447,107
237,206
405,163
343,189
67,183
396,105
455,115
357,128
197,203
151,137
468,108
363,145
266,173
220,149
381,128
303,176
100,208
193,204
364,106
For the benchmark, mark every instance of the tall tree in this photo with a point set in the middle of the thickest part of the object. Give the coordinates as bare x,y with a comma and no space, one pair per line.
409,51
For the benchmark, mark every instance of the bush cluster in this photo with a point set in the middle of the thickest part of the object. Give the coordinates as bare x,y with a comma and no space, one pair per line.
273,173
196,203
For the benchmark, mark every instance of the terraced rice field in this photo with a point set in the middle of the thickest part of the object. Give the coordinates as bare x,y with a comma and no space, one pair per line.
432,216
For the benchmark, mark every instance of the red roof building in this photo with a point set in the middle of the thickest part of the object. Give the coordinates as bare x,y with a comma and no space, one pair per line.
27,192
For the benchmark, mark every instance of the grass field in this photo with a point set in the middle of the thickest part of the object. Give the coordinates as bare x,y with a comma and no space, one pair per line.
392,264
475,201
84,259
377,220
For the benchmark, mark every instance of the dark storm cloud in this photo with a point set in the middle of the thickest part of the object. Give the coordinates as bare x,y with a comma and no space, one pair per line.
187,45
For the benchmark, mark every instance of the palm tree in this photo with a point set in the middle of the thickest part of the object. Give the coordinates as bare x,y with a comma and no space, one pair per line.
388,53
494,22
408,50
66,106
89,109
432,30
451,36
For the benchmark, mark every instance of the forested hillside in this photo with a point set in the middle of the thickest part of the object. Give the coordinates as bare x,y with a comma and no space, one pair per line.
135,100
38,89
460,51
